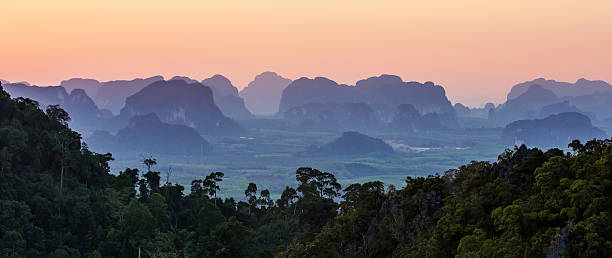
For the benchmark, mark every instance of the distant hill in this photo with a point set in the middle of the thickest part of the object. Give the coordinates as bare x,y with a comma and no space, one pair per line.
334,115
541,98
562,89
557,108
147,133
81,108
597,104
408,119
226,96
352,143
112,94
184,78
109,95
179,102
4,82
535,96
555,130
262,96
383,93
318,90
464,111
90,86
525,106
52,95
220,85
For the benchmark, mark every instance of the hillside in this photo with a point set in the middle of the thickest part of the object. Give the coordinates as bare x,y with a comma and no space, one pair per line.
528,203
525,106
262,96
350,116
383,92
554,130
85,114
148,134
563,89
178,102
352,143
112,94
226,97
591,98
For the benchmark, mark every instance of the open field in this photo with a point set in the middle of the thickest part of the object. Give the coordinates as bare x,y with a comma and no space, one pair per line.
269,158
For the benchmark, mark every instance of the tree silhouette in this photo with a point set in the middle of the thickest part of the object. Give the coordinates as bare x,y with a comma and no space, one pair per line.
210,184
149,163
250,194
56,113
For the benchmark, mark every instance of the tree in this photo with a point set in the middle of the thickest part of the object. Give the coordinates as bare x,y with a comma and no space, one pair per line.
318,190
136,230
208,217
231,237
313,181
196,187
149,163
5,160
127,178
12,244
3,94
210,184
67,141
357,195
250,193
159,209
153,180
57,114
142,189
287,197
265,200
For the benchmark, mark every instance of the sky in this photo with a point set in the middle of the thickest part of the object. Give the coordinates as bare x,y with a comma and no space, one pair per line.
476,49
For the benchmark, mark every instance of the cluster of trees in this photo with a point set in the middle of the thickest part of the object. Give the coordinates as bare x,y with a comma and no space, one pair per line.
58,199
529,203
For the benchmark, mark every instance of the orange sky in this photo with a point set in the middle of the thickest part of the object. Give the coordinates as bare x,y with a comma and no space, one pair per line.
476,49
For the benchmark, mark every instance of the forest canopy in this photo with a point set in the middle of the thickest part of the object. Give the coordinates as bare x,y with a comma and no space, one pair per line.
59,199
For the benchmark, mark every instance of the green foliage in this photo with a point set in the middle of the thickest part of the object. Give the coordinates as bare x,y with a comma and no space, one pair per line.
528,203
59,199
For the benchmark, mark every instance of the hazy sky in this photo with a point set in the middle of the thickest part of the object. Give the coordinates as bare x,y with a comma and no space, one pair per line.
476,49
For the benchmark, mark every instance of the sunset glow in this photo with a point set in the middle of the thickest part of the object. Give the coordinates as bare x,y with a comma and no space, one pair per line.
476,49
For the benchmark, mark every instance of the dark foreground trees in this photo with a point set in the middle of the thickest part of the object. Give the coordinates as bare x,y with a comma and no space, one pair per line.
528,203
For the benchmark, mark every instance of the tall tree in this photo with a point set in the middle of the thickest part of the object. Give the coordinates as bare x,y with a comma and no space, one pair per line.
250,194
57,114
264,199
210,184
149,163
68,145
315,182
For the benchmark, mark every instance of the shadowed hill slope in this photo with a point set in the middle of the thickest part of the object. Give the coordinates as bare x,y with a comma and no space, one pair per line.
178,102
